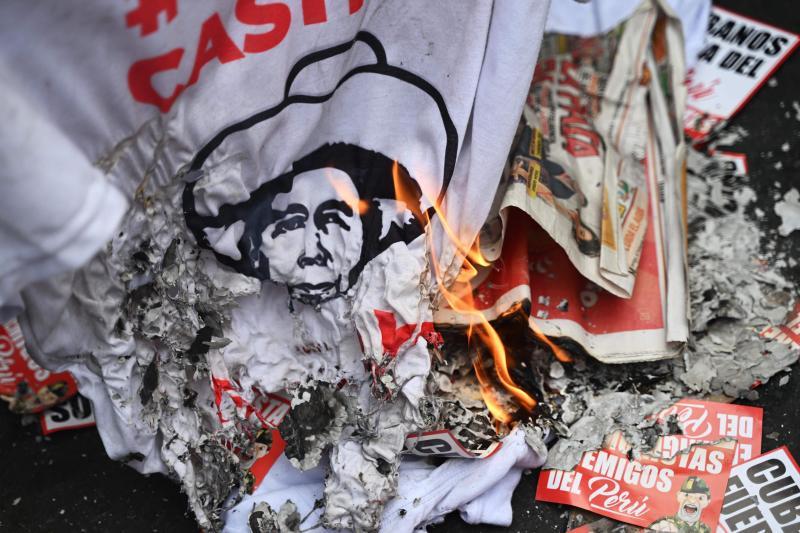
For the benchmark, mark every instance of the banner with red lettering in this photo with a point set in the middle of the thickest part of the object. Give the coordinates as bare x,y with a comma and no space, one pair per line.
682,493
706,422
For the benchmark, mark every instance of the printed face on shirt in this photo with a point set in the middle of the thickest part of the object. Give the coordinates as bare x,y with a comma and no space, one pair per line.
318,225
315,235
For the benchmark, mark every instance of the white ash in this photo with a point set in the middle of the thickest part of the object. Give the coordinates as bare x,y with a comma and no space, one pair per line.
605,413
471,426
735,292
556,370
263,519
148,309
728,135
313,424
175,298
536,438
789,211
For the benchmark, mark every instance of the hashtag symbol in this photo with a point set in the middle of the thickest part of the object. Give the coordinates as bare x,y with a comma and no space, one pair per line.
146,15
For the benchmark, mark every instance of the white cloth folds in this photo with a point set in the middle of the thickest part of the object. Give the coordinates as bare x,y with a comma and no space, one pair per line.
479,489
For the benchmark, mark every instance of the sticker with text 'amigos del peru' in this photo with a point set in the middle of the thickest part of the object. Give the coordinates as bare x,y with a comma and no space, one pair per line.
657,493
763,495
703,421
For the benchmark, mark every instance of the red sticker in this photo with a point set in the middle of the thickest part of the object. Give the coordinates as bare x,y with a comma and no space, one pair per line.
28,387
704,421
663,494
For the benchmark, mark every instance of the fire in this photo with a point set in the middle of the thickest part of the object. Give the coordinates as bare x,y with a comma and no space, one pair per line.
459,297
558,351
459,294
403,194
488,394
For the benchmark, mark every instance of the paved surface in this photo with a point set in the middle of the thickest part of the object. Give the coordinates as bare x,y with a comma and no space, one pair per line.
66,483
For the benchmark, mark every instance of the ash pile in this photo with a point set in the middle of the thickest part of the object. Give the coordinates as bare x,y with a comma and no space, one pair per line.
316,314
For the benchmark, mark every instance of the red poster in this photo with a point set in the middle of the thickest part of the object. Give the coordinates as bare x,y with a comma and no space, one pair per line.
704,421
684,492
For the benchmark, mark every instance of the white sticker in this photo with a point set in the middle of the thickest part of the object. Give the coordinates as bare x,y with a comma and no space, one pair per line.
739,56
73,414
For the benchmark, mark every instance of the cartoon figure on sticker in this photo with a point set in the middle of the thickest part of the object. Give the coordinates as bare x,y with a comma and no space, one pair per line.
309,207
693,497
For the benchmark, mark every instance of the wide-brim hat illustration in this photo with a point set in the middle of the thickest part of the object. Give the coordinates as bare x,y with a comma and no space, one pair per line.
343,107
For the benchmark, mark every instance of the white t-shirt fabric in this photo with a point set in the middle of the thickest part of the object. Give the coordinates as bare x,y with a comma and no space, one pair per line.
480,490
280,161
56,209
599,16
88,207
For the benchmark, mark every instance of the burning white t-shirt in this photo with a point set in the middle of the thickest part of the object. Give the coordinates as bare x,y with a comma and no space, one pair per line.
281,161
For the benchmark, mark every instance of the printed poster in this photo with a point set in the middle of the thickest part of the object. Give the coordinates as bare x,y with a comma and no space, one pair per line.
707,422
739,56
685,491
763,495
28,387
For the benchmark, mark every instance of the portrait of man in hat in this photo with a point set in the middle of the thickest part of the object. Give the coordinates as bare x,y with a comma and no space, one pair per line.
693,497
315,223
314,228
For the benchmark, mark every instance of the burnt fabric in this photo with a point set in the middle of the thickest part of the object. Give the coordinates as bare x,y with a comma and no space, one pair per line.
281,162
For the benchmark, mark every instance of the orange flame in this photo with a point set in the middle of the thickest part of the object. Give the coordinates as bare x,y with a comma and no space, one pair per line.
402,192
489,394
459,298
558,351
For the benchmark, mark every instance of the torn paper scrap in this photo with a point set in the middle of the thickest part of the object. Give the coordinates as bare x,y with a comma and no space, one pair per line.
706,422
763,495
789,211
73,414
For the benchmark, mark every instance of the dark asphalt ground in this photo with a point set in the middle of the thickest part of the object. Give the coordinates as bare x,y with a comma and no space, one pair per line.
66,482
